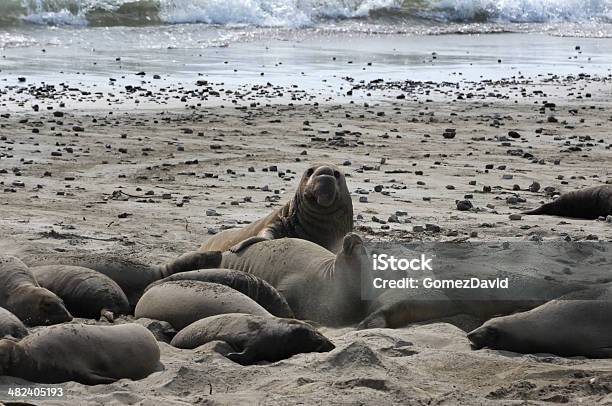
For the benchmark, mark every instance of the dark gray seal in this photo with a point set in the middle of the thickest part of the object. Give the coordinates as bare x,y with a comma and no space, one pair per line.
254,338
318,285
589,204
577,324
21,294
83,353
10,325
180,303
321,211
86,293
252,286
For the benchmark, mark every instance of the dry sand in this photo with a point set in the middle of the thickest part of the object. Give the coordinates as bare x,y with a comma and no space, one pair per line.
156,182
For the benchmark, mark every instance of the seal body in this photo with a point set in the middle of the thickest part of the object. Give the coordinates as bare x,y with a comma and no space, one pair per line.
317,284
396,308
10,325
252,286
85,292
21,294
182,302
254,338
83,353
578,324
589,203
321,211
131,275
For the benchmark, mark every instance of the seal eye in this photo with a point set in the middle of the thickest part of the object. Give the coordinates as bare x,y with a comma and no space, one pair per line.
309,172
336,174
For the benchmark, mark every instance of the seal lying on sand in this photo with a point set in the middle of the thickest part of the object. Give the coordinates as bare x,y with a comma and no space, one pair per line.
85,292
578,324
83,353
10,325
252,286
132,276
180,303
317,284
589,203
321,211
397,308
254,338
21,295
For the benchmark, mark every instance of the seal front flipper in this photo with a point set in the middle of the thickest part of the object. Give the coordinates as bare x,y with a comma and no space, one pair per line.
242,358
192,261
247,243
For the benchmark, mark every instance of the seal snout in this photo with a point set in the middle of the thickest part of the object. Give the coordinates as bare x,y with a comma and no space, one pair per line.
322,184
482,337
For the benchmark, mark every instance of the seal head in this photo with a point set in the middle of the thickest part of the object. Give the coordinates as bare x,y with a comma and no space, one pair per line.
37,306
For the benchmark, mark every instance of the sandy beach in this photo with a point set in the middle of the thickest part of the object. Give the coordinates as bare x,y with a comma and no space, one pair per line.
157,182
139,129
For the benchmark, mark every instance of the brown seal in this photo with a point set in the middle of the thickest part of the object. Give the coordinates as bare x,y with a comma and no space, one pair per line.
21,294
83,353
318,285
321,211
589,203
85,292
254,338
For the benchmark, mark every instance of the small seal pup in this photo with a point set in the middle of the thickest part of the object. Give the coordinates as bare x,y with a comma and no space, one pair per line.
85,292
317,284
321,211
10,325
252,286
589,203
83,353
131,275
254,338
22,295
182,302
577,324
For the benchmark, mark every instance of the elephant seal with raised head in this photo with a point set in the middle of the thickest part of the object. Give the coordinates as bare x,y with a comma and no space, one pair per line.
182,302
589,203
577,324
252,286
85,292
320,211
254,338
21,294
83,353
318,285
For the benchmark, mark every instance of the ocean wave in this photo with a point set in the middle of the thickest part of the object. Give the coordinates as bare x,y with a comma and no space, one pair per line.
293,13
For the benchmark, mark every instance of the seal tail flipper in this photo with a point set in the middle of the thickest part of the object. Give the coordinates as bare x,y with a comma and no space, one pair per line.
108,315
192,261
244,244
